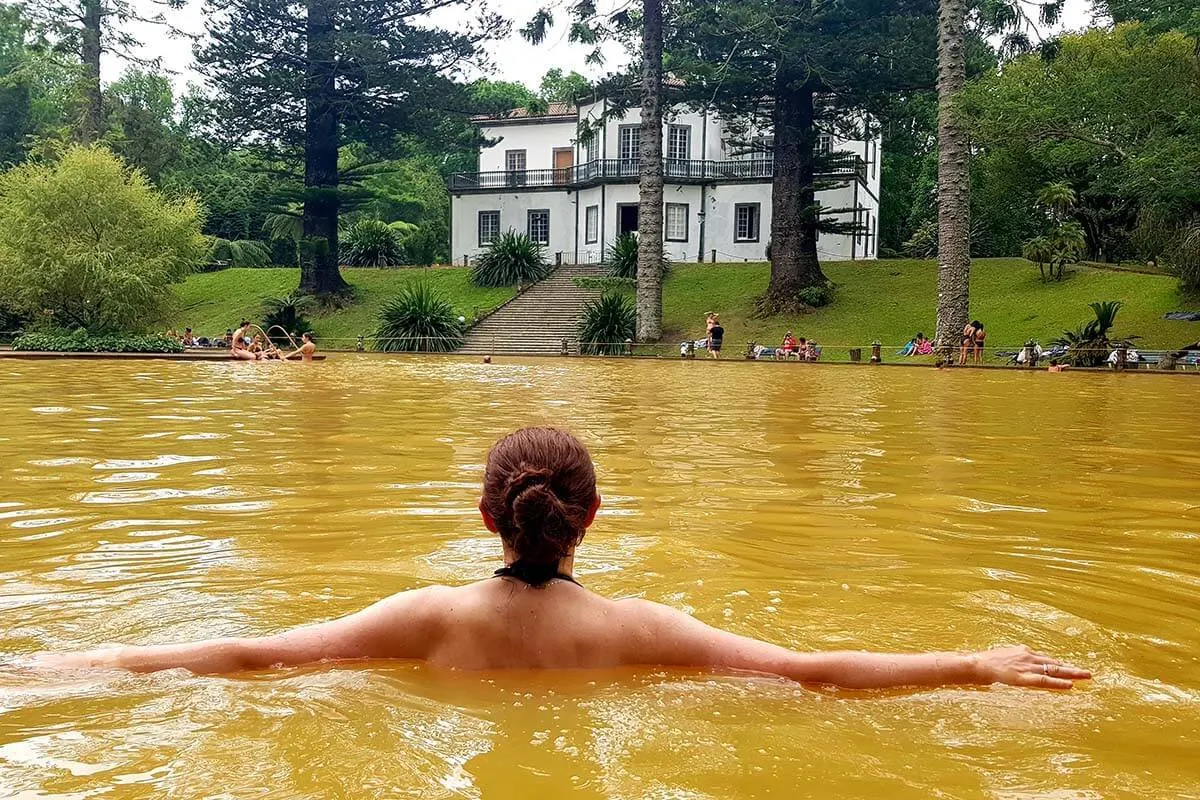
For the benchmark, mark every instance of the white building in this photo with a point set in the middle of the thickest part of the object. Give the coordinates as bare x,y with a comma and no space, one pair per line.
576,197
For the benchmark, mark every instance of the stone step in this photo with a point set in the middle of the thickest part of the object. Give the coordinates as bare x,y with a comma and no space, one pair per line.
536,321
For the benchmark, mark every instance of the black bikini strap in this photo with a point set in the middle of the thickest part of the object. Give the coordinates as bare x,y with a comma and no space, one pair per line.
533,574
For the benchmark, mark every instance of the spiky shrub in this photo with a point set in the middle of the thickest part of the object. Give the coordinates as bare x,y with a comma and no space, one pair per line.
1089,343
622,257
511,259
607,324
288,313
419,320
371,243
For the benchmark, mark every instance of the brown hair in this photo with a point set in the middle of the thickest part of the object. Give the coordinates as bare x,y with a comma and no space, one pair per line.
539,487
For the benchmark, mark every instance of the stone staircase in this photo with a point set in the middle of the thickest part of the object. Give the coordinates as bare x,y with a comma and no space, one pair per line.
536,322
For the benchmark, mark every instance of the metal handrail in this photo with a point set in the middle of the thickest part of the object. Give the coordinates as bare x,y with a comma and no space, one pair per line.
840,165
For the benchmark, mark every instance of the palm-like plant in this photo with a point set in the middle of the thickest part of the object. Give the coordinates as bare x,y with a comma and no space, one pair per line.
1059,198
288,313
1067,244
1088,344
1038,251
622,258
511,259
420,319
239,252
607,324
372,243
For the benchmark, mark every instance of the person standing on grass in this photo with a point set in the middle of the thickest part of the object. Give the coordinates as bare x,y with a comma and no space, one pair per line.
716,336
972,339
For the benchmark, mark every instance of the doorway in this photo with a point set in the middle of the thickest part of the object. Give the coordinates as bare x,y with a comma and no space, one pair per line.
564,159
627,218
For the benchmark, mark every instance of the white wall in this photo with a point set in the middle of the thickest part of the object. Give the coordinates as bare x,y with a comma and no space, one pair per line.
719,221
513,208
567,230
537,139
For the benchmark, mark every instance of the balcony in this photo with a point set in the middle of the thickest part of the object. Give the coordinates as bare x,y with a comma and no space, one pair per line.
843,166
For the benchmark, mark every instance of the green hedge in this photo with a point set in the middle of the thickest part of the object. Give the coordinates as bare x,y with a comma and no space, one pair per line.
82,342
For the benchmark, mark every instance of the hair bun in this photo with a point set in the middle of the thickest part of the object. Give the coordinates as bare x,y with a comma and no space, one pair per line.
545,528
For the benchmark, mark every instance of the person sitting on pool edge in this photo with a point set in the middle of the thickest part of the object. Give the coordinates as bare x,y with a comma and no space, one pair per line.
237,343
539,496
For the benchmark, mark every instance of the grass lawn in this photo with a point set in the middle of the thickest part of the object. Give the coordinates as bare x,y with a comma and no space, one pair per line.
893,300
213,301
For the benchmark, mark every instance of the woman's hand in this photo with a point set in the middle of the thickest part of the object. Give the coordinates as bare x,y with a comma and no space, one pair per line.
1020,666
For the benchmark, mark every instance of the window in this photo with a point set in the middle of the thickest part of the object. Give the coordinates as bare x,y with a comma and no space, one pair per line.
675,225
679,142
591,225
762,148
745,222
593,147
489,227
824,144
514,160
630,144
539,226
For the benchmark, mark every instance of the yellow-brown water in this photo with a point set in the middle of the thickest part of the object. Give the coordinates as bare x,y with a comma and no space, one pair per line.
815,507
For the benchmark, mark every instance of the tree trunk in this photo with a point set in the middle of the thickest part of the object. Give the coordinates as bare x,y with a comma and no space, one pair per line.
91,123
794,209
953,181
650,179
319,260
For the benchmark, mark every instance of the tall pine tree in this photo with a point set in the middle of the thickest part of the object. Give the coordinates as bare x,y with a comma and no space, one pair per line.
805,67
90,28
297,78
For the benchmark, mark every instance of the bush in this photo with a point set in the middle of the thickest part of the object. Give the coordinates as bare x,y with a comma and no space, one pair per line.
512,259
607,324
93,242
371,243
288,313
420,319
80,341
815,296
10,324
622,258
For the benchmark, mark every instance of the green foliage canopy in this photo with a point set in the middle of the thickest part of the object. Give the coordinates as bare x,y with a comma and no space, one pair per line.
92,243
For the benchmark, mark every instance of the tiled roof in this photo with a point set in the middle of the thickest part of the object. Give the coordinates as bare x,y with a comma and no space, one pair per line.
553,110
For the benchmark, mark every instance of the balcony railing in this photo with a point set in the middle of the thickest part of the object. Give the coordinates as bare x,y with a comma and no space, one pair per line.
847,165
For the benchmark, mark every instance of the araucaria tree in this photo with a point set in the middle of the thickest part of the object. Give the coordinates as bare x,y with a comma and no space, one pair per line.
953,179
301,76
650,178
804,68
91,28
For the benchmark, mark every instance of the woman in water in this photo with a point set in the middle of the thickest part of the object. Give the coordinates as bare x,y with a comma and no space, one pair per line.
539,496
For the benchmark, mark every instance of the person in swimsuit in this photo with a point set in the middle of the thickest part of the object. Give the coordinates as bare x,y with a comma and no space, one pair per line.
968,340
305,350
980,335
237,343
716,336
539,497
788,348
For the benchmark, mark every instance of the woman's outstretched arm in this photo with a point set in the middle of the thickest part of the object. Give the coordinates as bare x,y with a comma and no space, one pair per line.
405,625
657,634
